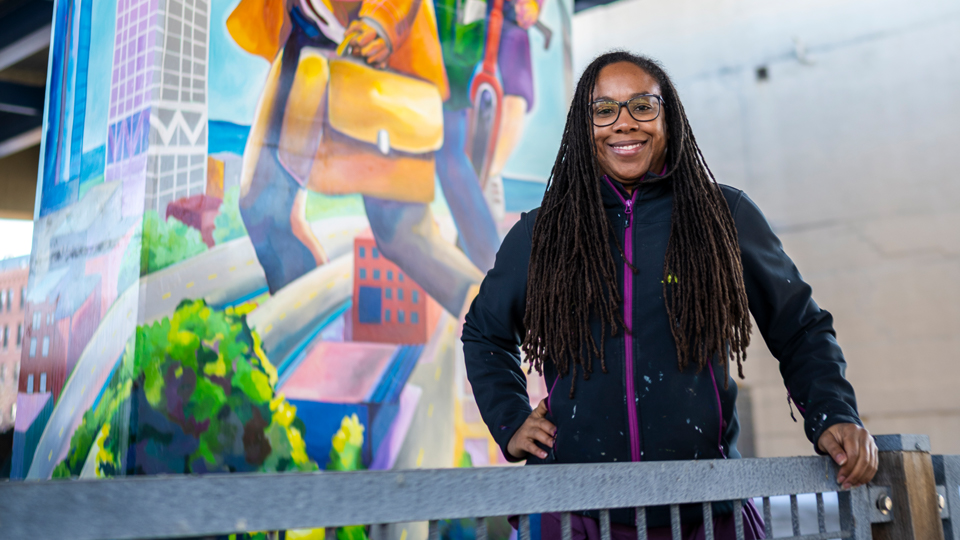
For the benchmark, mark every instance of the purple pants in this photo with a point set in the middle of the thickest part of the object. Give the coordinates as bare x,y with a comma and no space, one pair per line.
585,528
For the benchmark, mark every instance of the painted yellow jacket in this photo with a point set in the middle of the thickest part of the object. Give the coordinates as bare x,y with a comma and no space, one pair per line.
261,27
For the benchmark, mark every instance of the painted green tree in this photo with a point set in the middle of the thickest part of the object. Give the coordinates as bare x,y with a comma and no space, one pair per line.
194,393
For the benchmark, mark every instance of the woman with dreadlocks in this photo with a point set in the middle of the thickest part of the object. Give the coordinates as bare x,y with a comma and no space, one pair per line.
630,290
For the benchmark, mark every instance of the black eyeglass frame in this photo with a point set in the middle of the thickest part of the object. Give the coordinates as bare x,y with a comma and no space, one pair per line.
621,105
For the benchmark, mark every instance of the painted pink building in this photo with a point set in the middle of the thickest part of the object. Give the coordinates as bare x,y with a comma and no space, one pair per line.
13,287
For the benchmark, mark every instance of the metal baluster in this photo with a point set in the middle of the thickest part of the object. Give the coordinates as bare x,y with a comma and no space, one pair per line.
821,514
330,533
738,518
641,523
567,526
524,527
433,530
605,524
794,515
481,528
767,518
378,531
675,521
708,521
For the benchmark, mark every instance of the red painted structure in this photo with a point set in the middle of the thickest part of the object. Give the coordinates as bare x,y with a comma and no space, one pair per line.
199,212
388,306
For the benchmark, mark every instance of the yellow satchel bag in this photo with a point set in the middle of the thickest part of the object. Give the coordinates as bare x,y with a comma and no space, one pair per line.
352,128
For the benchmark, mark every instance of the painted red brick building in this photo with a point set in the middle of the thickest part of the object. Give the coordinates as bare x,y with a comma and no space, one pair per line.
388,306
13,286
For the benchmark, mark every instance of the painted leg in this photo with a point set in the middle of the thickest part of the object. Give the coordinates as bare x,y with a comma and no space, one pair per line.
407,235
511,129
272,202
461,188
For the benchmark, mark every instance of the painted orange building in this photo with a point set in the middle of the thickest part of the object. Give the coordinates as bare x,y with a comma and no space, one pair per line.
388,306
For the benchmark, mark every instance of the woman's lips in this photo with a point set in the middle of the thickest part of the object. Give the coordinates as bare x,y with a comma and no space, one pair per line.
627,148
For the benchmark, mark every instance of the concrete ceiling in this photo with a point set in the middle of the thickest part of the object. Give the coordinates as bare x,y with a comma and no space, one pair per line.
24,49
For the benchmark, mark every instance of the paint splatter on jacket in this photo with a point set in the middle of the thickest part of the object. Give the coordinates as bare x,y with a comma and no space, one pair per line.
646,409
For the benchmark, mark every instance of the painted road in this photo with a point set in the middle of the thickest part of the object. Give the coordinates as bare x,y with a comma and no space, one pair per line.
230,271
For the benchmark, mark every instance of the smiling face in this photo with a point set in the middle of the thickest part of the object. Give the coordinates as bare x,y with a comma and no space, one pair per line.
627,149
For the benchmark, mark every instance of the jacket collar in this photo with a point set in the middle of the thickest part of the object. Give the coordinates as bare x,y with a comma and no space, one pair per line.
653,185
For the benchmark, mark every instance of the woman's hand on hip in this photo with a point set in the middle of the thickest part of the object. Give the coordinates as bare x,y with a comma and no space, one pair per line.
852,447
536,428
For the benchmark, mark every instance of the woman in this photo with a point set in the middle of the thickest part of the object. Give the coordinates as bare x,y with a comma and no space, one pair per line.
630,290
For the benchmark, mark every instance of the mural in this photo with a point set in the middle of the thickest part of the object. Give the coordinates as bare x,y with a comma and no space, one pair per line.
260,225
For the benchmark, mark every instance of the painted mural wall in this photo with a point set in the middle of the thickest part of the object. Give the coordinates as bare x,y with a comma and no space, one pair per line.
260,224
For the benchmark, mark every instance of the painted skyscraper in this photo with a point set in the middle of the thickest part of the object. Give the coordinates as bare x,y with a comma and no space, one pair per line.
158,101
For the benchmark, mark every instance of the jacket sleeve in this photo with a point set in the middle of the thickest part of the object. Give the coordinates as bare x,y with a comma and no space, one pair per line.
492,333
393,18
798,333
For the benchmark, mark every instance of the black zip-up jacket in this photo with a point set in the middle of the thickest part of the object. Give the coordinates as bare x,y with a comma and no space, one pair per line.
644,408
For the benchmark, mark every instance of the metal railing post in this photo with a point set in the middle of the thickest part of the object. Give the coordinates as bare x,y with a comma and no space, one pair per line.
946,472
906,466
855,513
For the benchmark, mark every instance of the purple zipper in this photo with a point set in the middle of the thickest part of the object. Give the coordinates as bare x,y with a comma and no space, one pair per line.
628,322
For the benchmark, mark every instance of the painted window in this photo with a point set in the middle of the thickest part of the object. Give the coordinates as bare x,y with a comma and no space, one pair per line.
3,299
389,275
23,294
33,347
363,252
375,253
363,273
43,382
19,334
388,293
46,345
400,316
399,276
36,320
415,296
376,274
369,305
400,294
414,317
6,336
386,315
30,383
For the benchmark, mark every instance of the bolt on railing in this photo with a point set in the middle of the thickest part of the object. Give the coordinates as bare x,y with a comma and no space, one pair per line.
903,502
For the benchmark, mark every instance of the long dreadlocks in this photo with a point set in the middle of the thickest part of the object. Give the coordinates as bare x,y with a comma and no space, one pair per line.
572,276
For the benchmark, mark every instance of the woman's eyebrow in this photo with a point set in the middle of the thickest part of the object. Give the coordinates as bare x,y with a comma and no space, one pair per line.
608,98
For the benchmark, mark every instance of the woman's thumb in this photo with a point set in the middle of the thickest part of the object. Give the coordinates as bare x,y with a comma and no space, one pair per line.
541,409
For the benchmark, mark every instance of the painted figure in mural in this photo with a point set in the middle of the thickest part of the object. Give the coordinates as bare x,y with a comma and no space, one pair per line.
633,228
462,39
352,104
516,77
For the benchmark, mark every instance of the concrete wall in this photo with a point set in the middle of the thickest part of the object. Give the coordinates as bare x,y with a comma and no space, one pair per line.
849,147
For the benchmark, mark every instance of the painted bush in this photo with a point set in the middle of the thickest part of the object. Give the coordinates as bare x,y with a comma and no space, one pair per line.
199,395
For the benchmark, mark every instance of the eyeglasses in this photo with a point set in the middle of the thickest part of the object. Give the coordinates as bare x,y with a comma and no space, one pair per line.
643,108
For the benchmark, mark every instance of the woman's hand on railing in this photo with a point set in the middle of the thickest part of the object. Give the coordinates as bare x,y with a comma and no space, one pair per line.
536,428
852,447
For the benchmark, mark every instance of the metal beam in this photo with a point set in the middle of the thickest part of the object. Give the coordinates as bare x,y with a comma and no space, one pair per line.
25,47
18,132
21,99
23,20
